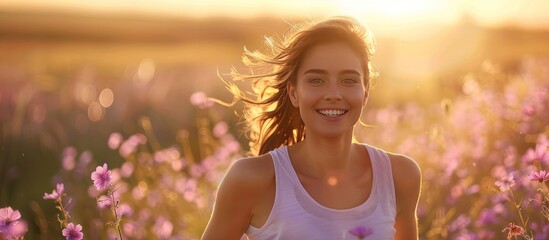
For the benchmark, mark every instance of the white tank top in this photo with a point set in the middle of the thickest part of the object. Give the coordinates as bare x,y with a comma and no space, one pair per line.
296,215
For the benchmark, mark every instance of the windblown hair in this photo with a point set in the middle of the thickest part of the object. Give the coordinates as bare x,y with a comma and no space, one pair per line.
270,118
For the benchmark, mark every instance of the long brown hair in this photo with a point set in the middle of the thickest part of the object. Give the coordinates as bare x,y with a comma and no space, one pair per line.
269,117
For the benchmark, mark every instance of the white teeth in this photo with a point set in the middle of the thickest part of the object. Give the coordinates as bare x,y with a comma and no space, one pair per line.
331,112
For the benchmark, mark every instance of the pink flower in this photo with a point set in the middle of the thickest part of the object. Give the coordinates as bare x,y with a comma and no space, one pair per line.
200,100
126,169
514,230
115,139
11,225
361,232
83,161
56,193
101,177
163,227
540,176
187,187
67,158
15,230
167,155
134,230
539,153
220,129
7,216
72,232
104,202
130,145
124,210
505,183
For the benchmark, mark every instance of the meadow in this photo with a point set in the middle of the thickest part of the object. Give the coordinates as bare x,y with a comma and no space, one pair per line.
470,104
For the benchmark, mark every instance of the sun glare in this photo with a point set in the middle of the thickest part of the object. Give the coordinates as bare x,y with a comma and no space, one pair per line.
393,11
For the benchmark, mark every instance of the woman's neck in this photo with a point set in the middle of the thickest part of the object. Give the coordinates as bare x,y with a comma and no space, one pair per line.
323,157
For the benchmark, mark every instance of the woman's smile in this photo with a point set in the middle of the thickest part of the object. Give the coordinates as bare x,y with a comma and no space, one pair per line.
332,113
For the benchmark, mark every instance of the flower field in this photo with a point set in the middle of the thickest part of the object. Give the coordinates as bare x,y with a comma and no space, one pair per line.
484,154
92,150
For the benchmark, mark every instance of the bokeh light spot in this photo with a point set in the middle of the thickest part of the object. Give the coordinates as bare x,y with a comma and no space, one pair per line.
86,93
95,112
145,71
106,98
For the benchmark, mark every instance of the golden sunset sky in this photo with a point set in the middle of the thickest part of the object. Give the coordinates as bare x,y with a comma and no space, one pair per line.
386,13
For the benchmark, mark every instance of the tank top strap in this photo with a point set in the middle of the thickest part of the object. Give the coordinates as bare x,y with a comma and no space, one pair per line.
285,184
283,188
280,160
381,165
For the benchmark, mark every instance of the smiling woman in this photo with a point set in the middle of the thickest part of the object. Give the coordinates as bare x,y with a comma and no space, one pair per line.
334,89
308,178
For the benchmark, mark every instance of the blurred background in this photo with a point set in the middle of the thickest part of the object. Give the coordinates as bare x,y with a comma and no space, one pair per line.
73,72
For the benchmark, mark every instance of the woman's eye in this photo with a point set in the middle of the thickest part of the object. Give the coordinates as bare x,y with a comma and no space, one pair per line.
316,80
349,81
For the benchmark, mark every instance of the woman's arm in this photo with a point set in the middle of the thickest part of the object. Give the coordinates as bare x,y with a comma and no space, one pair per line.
407,178
236,196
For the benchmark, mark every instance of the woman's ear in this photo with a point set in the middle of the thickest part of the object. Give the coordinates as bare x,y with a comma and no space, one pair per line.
365,101
292,94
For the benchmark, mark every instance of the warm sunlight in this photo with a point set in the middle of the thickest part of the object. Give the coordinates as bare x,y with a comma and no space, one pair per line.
391,9
386,13
120,118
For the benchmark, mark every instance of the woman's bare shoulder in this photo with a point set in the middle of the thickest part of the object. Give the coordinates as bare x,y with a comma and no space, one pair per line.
237,195
407,179
404,166
251,173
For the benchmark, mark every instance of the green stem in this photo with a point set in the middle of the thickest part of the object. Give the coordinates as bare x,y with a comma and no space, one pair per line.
514,202
113,208
66,215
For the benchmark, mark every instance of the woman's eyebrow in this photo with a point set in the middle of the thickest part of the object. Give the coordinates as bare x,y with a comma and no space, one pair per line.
350,71
321,71
315,71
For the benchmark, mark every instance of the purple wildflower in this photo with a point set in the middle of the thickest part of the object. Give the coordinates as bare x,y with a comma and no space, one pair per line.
7,216
126,169
101,177
460,223
67,158
201,100
167,155
130,145
538,153
361,232
115,139
104,202
125,210
220,129
487,216
163,227
11,225
83,161
15,230
56,193
540,176
505,183
72,232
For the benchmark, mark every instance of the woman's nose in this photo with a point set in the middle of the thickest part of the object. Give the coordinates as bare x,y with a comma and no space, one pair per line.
333,93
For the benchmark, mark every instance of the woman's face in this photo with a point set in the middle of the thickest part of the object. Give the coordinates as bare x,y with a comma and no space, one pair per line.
330,90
